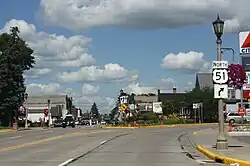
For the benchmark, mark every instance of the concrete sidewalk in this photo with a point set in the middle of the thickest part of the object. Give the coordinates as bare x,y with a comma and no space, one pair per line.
238,152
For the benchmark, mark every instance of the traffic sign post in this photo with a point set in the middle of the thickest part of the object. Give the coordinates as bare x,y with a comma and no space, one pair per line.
220,79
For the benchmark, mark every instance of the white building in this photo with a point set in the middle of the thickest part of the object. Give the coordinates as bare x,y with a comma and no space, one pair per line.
37,104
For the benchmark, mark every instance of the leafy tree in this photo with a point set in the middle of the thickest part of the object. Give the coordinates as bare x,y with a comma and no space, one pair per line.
16,58
204,96
170,107
94,111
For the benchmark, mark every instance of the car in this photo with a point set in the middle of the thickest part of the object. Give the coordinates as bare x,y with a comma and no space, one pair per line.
68,121
58,123
233,117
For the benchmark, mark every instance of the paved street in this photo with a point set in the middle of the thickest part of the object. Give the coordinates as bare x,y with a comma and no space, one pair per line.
245,139
130,147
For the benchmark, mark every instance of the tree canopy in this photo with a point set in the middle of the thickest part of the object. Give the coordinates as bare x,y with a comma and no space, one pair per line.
94,111
15,58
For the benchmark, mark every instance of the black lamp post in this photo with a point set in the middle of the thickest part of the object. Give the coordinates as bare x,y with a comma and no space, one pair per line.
26,109
221,142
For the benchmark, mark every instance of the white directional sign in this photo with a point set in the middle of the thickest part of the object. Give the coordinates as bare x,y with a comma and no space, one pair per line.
195,106
220,64
220,76
220,91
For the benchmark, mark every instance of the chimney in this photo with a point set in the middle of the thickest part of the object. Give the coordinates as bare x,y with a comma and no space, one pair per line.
174,89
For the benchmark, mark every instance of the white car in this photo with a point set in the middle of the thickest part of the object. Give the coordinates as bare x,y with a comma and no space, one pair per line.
103,122
233,117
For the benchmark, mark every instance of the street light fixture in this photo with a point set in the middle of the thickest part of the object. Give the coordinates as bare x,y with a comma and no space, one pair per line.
221,142
49,112
26,109
218,27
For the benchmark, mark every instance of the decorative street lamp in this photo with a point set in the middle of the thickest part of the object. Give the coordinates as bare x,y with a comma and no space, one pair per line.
221,142
26,109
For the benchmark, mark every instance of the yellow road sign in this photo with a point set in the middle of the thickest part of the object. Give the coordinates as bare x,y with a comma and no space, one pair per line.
123,107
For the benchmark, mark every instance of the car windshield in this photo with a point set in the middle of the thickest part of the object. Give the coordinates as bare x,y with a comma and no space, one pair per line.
68,118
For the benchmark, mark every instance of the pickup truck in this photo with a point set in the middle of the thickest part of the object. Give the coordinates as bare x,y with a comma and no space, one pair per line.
232,117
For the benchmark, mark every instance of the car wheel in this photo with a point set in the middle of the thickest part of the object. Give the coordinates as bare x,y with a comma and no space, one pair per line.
232,121
73,126
64,126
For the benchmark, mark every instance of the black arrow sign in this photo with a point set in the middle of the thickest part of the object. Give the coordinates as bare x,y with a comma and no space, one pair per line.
221,90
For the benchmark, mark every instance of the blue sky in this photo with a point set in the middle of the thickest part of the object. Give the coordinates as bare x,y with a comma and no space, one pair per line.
126,42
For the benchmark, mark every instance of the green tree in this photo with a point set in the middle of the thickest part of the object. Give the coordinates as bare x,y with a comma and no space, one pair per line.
170,107
204,96
94,111
16,58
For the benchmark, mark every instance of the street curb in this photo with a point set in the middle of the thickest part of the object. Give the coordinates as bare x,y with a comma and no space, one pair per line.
236,133
158,126
7,131
221,159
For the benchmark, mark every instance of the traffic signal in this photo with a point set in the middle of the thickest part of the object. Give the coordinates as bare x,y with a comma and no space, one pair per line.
46,111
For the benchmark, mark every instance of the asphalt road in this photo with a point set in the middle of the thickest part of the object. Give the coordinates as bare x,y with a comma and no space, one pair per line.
245,139
97,147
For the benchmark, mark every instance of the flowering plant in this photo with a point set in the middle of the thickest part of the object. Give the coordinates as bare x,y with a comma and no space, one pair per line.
237,76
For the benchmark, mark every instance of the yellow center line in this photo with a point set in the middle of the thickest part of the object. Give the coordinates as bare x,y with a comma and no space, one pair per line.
50,139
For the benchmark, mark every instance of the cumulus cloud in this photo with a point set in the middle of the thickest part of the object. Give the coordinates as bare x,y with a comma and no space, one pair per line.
78,14
136,88
89,89
190,62
51,50
43,89
109,73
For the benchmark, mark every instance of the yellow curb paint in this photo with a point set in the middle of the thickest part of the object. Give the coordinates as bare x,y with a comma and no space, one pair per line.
224,159
7,131
50,139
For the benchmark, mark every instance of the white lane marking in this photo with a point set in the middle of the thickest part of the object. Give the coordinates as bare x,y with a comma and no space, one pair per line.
103,142
65,162
15,137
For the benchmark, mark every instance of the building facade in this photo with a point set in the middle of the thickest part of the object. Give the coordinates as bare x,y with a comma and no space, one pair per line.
37,104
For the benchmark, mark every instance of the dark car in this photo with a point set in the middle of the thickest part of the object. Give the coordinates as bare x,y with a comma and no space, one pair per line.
58,123
68,121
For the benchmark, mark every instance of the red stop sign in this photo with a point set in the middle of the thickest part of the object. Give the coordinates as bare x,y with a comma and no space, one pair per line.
241,111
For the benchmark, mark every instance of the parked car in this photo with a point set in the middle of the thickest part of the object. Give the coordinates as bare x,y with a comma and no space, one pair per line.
103,122
68,121
58,123
232,117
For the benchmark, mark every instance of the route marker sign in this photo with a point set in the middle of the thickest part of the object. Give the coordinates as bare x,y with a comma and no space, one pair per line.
220,79
220,76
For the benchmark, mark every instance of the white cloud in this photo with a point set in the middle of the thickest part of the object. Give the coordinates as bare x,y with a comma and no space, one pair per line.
89,90
78,14
190,62
51,50
43,89
136,88
110,72
37,72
